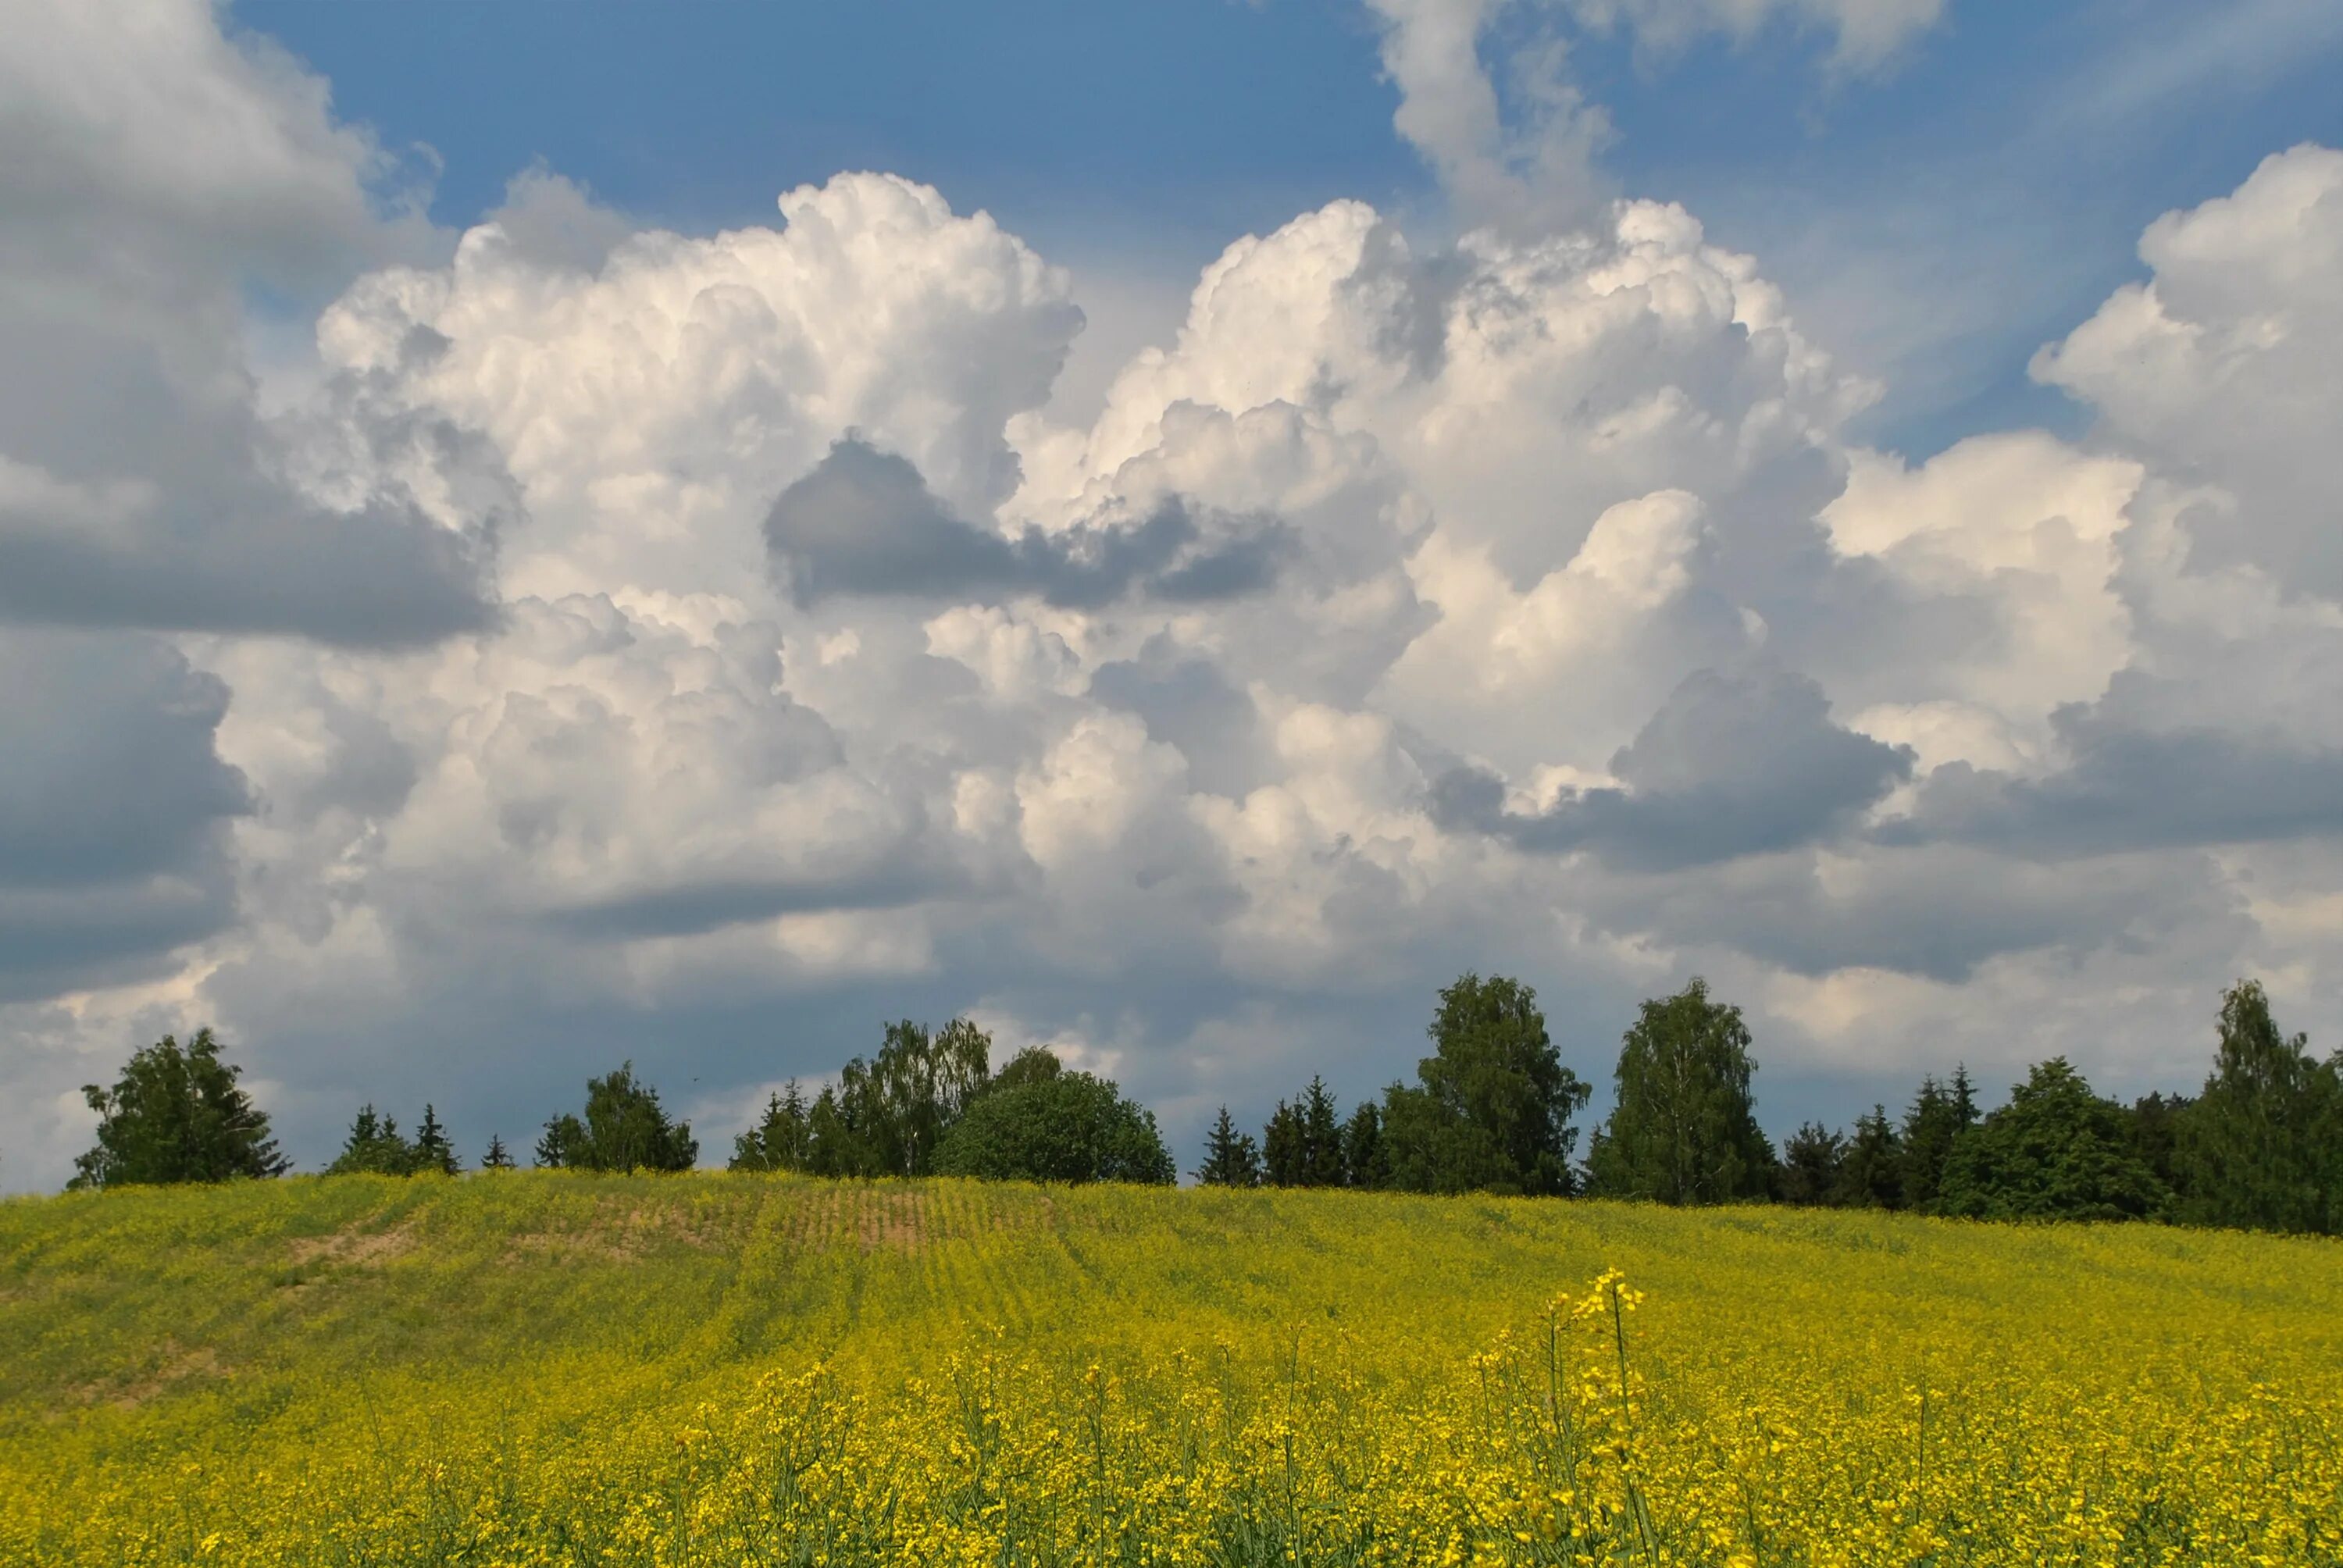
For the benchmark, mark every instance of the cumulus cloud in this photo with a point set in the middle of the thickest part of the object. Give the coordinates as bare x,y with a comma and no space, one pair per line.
154,172
114,808
864,523
1731,765
1514,600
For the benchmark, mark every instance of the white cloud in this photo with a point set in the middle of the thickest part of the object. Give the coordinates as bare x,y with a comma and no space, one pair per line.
2015,750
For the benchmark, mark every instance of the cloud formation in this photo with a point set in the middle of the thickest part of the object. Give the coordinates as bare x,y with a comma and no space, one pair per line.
699,646
864,523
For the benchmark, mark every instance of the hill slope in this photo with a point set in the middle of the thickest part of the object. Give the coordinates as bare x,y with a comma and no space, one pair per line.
554,1368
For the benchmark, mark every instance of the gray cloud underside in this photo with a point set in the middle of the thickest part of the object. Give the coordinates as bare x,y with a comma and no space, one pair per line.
1731,765
696,907
864,523
2130,790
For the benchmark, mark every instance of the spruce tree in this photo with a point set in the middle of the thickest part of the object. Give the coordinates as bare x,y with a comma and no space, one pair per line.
1322,1136
1871,1176
1364,1162
432,1151
374,1145
1811,1161
1284,1148
497,1157
1932,1124
1231,1157
782,1139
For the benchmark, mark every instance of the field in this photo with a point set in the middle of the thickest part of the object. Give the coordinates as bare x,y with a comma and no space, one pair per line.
554,1368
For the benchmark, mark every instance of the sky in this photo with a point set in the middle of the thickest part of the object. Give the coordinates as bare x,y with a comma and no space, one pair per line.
535,536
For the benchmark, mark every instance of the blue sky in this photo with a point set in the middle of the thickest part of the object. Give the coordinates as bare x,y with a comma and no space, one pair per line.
1934,223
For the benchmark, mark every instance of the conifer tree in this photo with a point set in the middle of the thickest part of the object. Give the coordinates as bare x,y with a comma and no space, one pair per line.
1871,1175
1285,1147
497,1157
374,1145
1231,1157
1322,1136
1811,1158
1931,1125
1364,1162
432,1151
782,1139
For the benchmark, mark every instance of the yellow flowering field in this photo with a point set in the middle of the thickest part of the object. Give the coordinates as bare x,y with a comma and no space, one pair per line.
544,1368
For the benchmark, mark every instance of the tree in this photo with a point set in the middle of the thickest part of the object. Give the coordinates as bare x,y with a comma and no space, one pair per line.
1685,1129
1284,1148
1303,1144
497,1158
1034,1064
176,1115
1069,1128
2055,1151
1491,1107
782,1139
374,1145
432,1151
1231,1157
1872,1174
1932,1125
625,1129
2258,1150
888,1116
1364,1162
1811,1158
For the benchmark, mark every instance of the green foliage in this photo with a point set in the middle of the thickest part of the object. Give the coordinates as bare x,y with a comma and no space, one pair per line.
1071,1127
2055,1151
1365,1161
1685,1129
782,1139
176,1115
374,1145
1231,1157
497,1157
1932,1125
432,1151
624,1128
1303,1144
1871,1176
1810,1161
2262,1147
889,1116
1490,1108
1034,1064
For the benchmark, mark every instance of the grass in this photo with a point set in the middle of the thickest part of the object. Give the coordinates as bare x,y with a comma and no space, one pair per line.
552,1368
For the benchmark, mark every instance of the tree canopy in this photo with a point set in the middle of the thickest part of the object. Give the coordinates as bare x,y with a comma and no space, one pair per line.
177,1115
624,1128
1491,1107
2057,1150
1685,1129
1072,1127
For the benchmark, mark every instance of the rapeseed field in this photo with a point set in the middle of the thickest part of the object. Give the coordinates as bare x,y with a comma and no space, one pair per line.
541,1369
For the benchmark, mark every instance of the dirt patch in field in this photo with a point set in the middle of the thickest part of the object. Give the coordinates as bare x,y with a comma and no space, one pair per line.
366,1248
179,1366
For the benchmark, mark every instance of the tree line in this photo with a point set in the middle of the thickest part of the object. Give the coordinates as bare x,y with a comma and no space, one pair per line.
1491,1109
